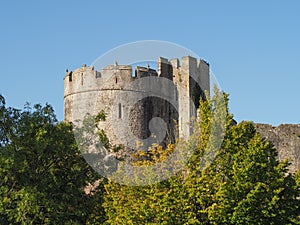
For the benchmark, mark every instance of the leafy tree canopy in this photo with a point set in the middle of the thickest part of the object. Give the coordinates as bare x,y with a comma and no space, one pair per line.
42,173
245,183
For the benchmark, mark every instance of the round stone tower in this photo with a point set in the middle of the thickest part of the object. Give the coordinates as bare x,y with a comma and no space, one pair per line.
133,110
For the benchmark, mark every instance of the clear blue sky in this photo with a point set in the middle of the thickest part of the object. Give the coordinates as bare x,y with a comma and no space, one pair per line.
253,47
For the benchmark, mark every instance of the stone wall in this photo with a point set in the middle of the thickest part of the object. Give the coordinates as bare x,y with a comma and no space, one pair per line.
286,139
89,91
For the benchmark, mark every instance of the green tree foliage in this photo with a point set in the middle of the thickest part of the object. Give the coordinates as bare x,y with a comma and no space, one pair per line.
42,173
244,184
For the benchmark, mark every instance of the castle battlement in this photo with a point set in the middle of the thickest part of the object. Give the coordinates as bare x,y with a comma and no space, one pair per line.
173,69
87,90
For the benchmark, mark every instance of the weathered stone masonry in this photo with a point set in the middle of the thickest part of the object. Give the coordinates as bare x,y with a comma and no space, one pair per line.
89,91
286,139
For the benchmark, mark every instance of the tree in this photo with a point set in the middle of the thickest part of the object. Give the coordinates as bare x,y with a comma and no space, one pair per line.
244,184
42,174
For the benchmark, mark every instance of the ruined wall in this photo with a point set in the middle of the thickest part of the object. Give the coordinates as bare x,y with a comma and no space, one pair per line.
192,79
286,139
87,91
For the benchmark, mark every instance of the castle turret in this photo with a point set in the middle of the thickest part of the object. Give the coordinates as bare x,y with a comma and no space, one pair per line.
192,80
87,91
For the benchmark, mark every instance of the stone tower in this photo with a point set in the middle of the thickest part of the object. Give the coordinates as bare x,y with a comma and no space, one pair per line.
87,91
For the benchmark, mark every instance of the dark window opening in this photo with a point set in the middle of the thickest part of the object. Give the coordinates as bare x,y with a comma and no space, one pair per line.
98,74
120,111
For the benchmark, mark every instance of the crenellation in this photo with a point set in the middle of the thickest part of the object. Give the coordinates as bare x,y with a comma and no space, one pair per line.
119,72
87,90
175,63
164,68
144,72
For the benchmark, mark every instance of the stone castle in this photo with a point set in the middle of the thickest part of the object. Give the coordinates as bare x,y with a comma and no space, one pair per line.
131,105
88,91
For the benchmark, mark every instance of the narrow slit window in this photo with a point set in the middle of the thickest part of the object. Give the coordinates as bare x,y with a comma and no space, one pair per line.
82,79
120,111
116,80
